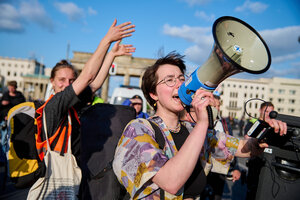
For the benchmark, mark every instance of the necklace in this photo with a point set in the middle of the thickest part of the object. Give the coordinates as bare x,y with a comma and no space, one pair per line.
176,129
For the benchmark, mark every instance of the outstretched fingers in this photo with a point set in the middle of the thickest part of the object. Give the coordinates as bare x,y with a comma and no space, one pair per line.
121,31
129,49
126,32
122,49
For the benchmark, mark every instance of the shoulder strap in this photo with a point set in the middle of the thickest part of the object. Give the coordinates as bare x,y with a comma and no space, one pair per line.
158,135
161,143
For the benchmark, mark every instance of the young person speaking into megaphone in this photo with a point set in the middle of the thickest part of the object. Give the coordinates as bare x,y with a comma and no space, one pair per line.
178,169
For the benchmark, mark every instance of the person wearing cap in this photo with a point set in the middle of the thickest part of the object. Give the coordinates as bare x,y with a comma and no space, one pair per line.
137,103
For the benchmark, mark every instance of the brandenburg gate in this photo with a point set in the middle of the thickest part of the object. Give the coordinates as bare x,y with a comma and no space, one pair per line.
127,66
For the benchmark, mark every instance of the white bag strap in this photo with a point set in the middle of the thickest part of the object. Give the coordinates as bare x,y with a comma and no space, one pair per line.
45,129
46,133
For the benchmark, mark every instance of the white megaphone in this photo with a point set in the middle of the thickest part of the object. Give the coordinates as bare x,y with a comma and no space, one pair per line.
238,47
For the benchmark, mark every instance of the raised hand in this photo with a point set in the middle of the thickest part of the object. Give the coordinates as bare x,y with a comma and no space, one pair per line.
118,32
122,49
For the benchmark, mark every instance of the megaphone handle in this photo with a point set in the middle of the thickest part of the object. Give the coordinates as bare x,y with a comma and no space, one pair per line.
210,117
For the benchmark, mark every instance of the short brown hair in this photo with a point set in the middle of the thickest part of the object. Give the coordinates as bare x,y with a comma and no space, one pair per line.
60,65
266,104
149,80
13,83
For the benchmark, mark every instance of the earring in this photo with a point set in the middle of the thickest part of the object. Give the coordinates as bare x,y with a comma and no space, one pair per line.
154,104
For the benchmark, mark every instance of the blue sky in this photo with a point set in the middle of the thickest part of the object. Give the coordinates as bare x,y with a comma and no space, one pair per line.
42,29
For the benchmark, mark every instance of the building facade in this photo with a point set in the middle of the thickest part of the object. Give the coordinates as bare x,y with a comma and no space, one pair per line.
28,73
235,93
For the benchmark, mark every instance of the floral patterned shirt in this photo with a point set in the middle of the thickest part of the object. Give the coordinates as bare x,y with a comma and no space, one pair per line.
138,156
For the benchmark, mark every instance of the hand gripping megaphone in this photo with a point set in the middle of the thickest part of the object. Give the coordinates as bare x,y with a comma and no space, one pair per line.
238,47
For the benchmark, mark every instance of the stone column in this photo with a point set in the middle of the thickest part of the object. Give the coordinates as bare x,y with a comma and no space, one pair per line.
126,79
104,89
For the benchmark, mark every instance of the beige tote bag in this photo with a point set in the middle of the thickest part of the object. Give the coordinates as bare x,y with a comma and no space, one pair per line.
62,178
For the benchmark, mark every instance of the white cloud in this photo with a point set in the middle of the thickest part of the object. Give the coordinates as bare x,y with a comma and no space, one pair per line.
33,11
70,9
282,42
197,54
254,7
200,37
196,2
91,11
284,58
204,16
10,19
292,72
296,64
13,19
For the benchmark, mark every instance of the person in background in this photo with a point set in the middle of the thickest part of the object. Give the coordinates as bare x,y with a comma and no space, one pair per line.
11,98
137,103
217,180
241,124
179,169
72,93
256,163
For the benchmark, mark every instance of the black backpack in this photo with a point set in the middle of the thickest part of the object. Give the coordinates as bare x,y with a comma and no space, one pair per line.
25,167
102,126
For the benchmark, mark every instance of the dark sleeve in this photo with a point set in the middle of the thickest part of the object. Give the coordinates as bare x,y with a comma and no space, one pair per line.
23,99
85,97
19,99
247,127
57,108
5,96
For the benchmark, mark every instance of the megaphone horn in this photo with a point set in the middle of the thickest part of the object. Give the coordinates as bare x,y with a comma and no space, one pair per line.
238,48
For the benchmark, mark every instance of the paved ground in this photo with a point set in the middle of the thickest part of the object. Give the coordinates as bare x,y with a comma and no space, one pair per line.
8,191
232,191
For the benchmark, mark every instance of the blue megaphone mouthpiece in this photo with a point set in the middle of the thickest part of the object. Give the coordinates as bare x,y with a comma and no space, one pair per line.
189,87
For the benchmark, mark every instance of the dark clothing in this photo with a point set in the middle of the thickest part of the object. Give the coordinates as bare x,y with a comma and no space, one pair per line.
13,101
216,181
241,126
56,111
197,181
254,166
247,127
228,126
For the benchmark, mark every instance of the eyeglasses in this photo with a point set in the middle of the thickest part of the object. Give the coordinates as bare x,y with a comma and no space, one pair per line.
171,80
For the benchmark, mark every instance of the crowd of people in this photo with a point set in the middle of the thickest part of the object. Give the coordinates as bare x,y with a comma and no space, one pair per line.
193,155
